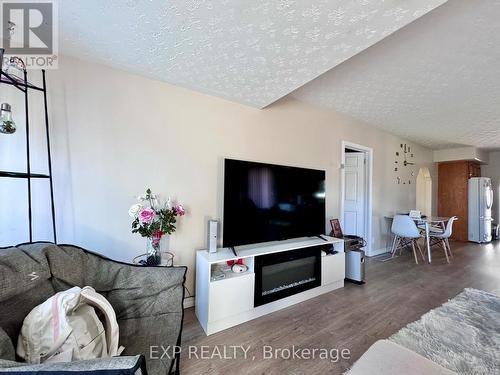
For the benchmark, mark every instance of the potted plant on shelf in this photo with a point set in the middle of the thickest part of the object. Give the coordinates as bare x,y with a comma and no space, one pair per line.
153,220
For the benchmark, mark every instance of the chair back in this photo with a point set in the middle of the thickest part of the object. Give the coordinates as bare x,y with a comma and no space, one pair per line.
404,226
449,227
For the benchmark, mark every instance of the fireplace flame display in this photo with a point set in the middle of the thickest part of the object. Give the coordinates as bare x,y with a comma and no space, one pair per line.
292,285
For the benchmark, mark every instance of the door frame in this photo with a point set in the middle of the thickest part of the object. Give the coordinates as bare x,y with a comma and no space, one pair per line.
368,151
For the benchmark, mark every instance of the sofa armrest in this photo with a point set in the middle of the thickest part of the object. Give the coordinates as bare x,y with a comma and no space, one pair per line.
385,357
131,365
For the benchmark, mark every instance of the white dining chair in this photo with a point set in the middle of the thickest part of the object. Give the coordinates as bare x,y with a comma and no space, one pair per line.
442,238
405,233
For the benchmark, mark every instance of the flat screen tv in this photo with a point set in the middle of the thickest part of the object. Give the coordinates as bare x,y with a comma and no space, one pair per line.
266,202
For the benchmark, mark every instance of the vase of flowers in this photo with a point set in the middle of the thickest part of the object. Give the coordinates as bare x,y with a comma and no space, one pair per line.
153,220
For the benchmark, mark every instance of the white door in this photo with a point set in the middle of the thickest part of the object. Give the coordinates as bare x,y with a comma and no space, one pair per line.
354,194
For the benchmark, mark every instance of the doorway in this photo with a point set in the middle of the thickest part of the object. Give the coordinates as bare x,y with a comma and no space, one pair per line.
356,191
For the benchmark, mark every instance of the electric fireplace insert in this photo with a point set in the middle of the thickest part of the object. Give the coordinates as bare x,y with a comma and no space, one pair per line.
280,275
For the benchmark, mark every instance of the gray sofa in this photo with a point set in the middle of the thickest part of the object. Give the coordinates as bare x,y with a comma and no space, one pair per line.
147,301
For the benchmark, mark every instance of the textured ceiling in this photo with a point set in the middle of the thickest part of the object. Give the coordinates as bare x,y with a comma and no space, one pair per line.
436,81
252,52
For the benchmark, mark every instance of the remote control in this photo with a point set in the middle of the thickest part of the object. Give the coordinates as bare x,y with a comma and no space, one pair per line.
324,238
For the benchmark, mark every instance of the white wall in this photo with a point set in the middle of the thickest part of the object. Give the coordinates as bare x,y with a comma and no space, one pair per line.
492,170
116,134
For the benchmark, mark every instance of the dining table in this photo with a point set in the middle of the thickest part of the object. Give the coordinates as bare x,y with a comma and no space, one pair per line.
428,224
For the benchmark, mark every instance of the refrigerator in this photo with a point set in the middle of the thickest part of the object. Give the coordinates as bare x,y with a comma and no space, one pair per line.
480,203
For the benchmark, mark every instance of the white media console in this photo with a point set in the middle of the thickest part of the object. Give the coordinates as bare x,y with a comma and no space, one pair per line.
229,301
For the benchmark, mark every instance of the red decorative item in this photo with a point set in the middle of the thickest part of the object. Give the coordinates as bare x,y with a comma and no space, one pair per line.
231,262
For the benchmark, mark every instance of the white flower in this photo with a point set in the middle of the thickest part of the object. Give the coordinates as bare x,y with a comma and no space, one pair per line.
168,203
134,210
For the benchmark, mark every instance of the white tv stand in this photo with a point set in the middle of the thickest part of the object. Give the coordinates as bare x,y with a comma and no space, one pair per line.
227,302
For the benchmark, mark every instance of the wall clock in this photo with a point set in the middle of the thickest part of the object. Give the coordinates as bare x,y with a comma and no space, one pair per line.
404,165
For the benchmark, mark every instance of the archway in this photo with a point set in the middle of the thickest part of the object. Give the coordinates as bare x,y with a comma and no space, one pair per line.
424,191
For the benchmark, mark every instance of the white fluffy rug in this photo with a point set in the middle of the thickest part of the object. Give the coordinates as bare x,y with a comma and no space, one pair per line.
462,335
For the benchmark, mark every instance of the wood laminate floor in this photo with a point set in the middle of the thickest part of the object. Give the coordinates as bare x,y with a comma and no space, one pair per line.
396,293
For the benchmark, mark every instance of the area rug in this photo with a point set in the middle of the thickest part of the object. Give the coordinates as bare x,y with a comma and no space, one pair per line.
462,335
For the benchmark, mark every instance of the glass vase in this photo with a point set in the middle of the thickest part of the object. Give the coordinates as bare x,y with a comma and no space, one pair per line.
153,252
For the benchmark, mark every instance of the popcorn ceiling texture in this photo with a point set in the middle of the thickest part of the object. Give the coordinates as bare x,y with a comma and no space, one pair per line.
436,81
252,52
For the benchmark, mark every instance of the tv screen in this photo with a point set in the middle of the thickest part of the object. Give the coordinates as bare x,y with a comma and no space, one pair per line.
266,202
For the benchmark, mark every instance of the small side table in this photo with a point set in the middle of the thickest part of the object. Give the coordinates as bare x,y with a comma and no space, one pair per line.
167,259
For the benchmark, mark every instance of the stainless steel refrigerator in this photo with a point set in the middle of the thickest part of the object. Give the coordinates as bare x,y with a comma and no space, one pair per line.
480,203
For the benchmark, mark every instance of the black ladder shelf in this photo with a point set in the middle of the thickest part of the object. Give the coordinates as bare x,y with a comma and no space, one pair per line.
26,87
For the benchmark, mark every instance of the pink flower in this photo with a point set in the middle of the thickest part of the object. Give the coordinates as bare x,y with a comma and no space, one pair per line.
146,215
179,210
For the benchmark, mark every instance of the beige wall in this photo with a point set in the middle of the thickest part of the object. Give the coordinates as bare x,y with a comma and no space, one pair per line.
116,134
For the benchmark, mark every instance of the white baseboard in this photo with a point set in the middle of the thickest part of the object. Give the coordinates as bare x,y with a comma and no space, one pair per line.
374,253
188,302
